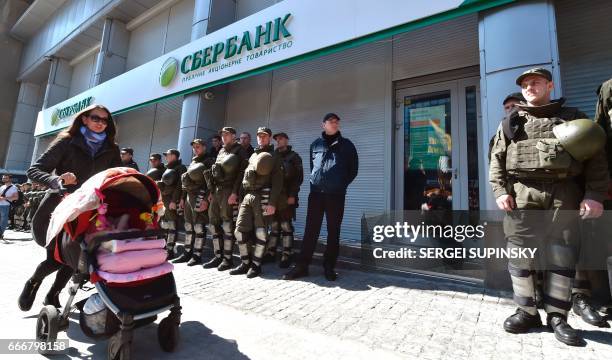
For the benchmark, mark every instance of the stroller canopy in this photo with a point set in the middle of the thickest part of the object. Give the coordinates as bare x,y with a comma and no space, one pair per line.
90,195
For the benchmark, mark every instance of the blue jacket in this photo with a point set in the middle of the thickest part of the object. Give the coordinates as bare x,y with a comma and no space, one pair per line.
332,166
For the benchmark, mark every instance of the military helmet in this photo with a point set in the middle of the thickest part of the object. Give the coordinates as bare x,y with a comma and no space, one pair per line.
230,163
196,172
264,164
581,138
154,173
170,177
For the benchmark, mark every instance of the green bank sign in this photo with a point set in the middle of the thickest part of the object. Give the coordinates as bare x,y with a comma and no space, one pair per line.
65,112
270,32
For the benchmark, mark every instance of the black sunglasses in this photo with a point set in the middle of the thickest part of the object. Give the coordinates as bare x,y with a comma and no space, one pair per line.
97,119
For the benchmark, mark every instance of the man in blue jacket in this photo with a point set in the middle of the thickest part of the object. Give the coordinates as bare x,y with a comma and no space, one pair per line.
333,166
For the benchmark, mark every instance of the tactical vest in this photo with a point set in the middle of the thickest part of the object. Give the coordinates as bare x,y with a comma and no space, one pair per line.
194,183
536,153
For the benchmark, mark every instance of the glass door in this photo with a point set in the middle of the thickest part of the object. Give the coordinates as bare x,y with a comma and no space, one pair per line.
437,146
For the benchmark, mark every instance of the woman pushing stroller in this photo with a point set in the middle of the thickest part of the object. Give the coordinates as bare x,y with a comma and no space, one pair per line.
84,149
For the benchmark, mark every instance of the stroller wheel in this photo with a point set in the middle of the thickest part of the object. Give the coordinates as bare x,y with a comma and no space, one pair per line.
116,351
168,334
47,326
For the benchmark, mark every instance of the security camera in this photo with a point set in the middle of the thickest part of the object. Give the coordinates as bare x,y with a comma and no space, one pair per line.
209,95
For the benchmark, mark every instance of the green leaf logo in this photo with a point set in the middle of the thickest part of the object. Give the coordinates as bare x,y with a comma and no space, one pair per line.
54,117
168,71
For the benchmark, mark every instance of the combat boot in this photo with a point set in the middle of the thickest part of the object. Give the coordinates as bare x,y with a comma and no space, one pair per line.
582,307
212,263
254,271
563,331
521,322
242,269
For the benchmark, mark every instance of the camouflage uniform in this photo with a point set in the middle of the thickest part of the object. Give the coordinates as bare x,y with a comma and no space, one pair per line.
281,226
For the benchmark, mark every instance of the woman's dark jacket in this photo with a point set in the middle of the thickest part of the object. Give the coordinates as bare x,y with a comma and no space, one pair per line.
71,154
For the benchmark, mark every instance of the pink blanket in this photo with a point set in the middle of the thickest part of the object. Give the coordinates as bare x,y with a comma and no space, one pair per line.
130,261
118,246
143,274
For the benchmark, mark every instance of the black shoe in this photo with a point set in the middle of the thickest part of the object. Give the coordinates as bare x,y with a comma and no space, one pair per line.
284,263
52,298
296,272
521,321
171,254
225,265
28,294
195,260
241,269
254,271
330,274
269,257
563,331
212,263
583,308
186,256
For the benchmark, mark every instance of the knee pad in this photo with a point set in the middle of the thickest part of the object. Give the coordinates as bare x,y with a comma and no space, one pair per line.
198,228
171,225
261,233
560,256
188,226
163,225
212,229
238,236
286,226
227,227
275,226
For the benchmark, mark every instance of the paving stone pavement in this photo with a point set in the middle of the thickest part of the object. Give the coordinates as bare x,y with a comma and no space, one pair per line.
360,316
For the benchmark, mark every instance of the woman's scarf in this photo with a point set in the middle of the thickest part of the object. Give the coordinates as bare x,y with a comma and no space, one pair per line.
93,139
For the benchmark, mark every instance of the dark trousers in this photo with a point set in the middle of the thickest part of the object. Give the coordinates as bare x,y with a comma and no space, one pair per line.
332,206
40,223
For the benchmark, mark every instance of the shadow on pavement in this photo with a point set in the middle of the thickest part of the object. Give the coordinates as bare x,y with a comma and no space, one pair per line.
195,338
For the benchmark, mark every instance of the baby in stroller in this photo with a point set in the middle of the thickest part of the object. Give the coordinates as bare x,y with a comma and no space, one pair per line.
108,232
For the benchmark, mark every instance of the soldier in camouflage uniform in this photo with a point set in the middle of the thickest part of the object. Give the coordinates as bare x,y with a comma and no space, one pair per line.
581,296
262,184
157,167
224,179
282,226
172,193
533,168
196,192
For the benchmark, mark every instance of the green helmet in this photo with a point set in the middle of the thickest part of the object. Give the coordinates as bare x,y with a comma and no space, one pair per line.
581,138
170,177
264,164
230,164
196,172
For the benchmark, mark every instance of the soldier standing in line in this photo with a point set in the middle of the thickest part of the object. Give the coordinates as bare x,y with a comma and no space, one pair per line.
262,184
127,158
536,160
224,178
282,226
157,167
196,204
172,193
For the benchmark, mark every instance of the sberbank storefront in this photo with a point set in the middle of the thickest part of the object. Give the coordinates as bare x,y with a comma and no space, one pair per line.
418,85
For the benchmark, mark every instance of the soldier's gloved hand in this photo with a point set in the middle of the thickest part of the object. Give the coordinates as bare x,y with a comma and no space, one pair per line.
505,202
232,199
210,197
590,209
291,200
203,206
182,204
172,205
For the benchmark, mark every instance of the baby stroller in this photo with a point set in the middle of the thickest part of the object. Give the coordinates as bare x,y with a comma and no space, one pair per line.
108,232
